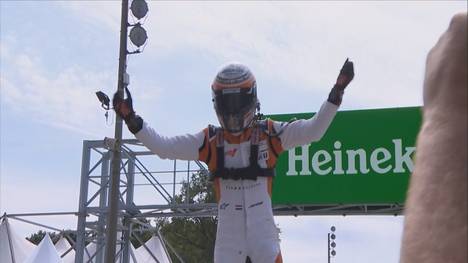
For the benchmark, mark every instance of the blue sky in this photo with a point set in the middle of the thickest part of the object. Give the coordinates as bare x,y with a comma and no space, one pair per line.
56,54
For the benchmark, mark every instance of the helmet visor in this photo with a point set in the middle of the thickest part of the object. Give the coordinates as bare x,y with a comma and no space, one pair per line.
234,101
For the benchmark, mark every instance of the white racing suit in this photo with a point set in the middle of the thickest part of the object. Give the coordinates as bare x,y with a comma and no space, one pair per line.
245,219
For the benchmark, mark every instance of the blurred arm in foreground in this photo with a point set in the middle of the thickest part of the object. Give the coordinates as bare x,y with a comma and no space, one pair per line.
436,209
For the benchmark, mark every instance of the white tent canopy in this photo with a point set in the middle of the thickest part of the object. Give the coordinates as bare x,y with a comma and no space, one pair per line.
90,253
10,242
45,252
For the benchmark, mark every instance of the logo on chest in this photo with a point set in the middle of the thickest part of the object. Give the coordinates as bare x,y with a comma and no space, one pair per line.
232,152
263,154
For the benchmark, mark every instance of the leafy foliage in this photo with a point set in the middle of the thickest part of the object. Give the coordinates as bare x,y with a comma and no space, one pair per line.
37,237
192,238
140,232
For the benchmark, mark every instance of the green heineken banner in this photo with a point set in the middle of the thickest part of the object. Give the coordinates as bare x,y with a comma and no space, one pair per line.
366,157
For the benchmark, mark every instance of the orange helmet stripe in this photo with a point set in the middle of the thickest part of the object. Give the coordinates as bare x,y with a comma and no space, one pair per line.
248,83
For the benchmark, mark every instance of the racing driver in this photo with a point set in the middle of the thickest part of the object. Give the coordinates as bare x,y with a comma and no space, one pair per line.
241,155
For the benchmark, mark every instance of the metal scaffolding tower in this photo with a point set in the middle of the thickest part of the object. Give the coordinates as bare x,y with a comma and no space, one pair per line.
163,186
94,197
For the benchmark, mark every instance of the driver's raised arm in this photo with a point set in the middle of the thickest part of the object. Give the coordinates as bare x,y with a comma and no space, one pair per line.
302,132
183,147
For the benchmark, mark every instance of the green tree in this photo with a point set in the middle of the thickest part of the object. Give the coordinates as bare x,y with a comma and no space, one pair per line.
141,232
37,237
192,238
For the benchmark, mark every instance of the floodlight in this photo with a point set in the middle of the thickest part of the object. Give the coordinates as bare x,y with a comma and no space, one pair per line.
333,244
333,253
138,35
104,99
139,8
333,228
332,236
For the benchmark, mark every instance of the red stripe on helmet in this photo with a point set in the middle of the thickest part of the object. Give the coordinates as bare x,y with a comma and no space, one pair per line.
248,83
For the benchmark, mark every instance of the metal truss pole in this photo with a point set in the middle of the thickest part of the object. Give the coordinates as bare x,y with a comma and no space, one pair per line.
103,206
82,212
129,204
112,218
10,242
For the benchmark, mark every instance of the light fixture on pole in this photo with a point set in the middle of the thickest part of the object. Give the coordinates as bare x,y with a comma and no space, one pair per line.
138,35
139,8
331,243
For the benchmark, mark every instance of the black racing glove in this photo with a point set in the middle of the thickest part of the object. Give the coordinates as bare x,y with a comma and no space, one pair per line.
344,78
124,108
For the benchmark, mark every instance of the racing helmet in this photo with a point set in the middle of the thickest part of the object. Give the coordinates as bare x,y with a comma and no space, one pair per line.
234,91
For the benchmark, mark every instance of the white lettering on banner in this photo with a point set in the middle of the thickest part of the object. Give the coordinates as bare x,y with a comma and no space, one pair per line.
352,161
324,163
338,161
405,158
303,157
316,162
375,162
